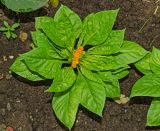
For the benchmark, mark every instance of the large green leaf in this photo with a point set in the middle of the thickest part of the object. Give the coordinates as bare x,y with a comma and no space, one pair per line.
20,68
40,21
65,28
112,88
41,40
111,46
93,94
153,116
65,105
121,72
70,23
100,63
90,75
24,5
148,85
63,81
143,65
130,53
97,27
43,62
155,60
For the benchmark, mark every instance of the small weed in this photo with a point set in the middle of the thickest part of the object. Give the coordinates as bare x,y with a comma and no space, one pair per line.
9,30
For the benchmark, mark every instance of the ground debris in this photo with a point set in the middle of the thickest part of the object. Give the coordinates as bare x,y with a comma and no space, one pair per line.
1,76
122,100
2,127
23,36
4,58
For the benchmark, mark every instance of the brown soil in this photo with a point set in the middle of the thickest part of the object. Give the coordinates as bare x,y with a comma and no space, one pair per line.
24,105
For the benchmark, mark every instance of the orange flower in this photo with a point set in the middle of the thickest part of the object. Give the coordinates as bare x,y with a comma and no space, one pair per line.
76,57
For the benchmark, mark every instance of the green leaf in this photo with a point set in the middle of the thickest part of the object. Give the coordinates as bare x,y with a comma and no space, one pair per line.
63,81
43,20
70,23
101,63
55,33
8,34
143,65
93,94
41,40
121,72
90,75
6,24
130,52
13,35
20,68
14,26
111,46
24,5
3,29
155,60
65,105
43,62
65,28
148,85
97,27
112,88
153,116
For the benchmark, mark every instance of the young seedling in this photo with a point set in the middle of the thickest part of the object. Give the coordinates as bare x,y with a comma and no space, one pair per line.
9,30
149,84
85,59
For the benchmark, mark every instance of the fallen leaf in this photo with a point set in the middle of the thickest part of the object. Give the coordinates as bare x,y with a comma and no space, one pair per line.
122,100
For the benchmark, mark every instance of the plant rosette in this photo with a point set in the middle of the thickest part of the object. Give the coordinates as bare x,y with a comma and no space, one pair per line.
149,84
85,59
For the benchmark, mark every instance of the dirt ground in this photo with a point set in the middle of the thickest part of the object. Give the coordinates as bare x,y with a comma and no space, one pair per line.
25,107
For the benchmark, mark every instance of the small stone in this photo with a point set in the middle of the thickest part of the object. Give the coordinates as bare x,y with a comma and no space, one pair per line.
3,112
8,76
11,57
18,101
77,121
31,118
19,128
8,106
23,36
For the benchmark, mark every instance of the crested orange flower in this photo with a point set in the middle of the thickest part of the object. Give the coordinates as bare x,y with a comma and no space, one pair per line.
76,57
